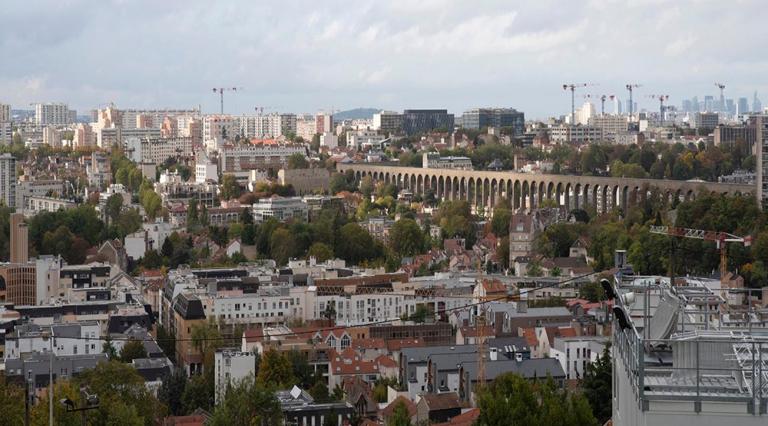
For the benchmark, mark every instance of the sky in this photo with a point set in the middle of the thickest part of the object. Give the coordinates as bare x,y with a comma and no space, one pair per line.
307,56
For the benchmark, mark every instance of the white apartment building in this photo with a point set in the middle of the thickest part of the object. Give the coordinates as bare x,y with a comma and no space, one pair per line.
271,125
356,309
575,134
269,306
8,179
574,354
329,140
216,127
433,160
306,127
51,136
5,113
157,150
610,124
205,170
232,366
280,208
6,132
243,158
56,114
363,138
69,339
153,117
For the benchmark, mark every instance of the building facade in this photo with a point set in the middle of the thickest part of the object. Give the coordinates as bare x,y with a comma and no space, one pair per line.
425,120
479,118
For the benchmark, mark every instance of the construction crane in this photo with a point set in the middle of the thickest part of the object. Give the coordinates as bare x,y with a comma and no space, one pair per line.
602,103
662,99
630,87
721,86
573,87
720,238
220,91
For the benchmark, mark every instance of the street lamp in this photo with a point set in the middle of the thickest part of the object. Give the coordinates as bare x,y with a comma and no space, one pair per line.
48,337
90,402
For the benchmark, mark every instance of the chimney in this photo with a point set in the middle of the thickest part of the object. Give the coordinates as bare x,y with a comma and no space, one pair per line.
19,239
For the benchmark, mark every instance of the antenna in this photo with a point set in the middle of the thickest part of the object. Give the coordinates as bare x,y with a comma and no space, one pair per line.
221,90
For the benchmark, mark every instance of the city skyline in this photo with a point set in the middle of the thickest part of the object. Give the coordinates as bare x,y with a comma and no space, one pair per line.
296,58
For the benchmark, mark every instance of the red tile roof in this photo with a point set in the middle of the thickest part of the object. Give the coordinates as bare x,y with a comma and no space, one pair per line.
466,418
389,410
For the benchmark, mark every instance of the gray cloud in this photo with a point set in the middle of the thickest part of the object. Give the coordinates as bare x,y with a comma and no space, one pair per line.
304,56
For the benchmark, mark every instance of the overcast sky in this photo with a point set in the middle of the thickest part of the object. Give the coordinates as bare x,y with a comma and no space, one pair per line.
303,56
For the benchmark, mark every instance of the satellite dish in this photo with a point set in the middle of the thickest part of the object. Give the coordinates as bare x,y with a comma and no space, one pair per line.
608,288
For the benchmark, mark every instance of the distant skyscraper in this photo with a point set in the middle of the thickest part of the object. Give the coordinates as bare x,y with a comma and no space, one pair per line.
695,105
709,103
742,106
686,106
757,106
617,106
8,180
19,239
54,114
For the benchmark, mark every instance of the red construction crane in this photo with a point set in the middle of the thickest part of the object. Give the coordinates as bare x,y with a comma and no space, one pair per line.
720,238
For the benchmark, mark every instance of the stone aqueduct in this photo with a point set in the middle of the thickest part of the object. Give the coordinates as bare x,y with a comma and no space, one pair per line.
485,188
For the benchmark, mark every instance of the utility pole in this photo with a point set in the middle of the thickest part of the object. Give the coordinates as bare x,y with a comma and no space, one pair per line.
220,91
630,87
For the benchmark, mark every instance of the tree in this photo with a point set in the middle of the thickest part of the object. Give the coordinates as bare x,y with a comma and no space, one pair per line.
282,246
248,403
302,371
597,385
198,393
167,249
502,216
275,370
172,389
592,291
229,187
166,341
114,206
192,215
320,251
355,244
319,392
109,349
400,416
513,400
11,402
366,187
133,349
298,161
123,397
406,238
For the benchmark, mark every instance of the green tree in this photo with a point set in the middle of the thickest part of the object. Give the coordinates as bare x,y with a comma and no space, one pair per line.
320,251
298,161
133,349
513,400
366,187
400,416
282,246
406,238
275,370
109,349
192,215
319,392
230,188
114,206
355,244
11,402
597,386
123,396
592,291
166,341
198,393
502,216
172,389
248,403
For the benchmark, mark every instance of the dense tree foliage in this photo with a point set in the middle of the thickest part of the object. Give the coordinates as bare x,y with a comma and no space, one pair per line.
598,384
512,400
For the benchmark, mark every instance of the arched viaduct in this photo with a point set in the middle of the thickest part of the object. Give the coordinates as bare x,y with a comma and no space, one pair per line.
485,188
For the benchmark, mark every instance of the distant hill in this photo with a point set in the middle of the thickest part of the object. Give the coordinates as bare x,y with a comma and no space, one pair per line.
356,114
